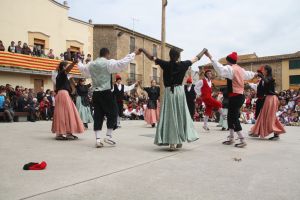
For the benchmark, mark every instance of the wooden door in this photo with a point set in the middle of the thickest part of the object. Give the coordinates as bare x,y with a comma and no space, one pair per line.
38,83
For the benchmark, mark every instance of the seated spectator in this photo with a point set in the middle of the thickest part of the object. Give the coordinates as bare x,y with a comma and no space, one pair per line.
50,54
8,111
44,109
68,55
138,113
26,104
26,50
19,48
40,95
2,48
12,47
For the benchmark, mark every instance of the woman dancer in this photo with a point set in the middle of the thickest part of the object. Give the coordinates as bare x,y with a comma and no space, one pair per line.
83,102
175,124
152,111
66,119
267,122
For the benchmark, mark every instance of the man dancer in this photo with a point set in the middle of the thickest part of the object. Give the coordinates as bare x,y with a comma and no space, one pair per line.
119,90
190,95
203,89
236,77
101,70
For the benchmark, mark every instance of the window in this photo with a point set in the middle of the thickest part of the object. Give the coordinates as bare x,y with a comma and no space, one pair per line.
132,71
154,50
295,80
74,49
154,73
294,64
132,44
40,44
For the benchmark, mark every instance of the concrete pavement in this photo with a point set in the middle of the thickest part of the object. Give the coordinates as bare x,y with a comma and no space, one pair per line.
137,169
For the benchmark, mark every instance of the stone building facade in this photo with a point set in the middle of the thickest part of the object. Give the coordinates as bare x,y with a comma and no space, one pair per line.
121,41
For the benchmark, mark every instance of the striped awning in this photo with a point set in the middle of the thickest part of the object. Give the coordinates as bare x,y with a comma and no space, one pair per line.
21,61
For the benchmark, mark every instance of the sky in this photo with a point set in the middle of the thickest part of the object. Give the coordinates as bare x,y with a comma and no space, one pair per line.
266,27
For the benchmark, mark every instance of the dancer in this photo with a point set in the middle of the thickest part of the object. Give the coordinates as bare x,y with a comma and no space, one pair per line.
236,77
152,111
101,70
175,124
66,119
83,102
259,88
267,121
190,94
119,90
223,117
203,88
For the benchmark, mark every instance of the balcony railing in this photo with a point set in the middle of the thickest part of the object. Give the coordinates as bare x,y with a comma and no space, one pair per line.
13,62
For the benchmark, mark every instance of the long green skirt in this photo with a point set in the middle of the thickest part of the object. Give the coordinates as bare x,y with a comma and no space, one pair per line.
175,124
84,111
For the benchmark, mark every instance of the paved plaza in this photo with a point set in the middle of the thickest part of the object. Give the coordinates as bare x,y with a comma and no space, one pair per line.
137,169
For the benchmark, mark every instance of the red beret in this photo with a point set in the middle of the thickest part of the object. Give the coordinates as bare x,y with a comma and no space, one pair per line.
118,77
233,56
189,80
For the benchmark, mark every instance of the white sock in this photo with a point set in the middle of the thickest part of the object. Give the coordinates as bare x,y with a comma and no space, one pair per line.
119,121
241,137
231,133
205,120
97,134
109,133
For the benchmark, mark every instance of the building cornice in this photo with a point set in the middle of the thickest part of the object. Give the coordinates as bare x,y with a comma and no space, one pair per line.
130,31
59,4
80,21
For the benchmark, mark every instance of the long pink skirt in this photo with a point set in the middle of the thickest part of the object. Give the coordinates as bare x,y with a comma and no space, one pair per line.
66,118
152,115
267,122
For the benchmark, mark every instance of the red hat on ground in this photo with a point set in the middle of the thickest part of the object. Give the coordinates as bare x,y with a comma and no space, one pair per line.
118,77
232,58
189,80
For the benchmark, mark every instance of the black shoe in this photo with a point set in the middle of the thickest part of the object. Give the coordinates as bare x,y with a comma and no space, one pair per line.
153,125
274,138
223,129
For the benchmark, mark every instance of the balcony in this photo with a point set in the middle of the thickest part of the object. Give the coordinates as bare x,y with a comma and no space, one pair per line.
12,62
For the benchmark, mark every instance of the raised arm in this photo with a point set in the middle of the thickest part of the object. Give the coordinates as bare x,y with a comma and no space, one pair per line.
224,71
129,88
84,69
115,66
70,66
148,55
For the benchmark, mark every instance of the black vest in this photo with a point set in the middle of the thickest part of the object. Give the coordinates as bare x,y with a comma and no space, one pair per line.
190,95
229,86
119,93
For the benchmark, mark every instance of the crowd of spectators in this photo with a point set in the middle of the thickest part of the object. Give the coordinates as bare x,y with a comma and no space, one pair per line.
40,105
39,51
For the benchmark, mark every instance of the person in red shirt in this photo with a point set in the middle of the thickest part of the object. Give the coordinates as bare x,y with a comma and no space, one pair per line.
45,108
203,88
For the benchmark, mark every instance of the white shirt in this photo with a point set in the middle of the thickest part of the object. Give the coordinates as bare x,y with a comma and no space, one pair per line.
226,71
113,66
126,88
199,85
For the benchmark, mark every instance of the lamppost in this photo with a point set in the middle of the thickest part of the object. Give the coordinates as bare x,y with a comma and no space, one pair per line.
163,44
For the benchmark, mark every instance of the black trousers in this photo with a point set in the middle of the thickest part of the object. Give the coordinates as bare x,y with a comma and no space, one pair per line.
191,106
120,108
259,105
235,104
105,105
